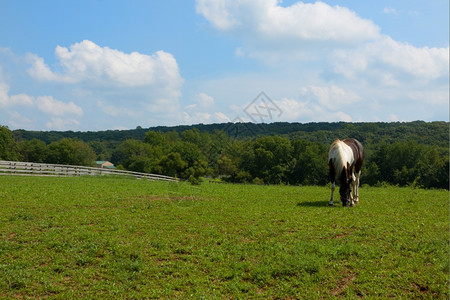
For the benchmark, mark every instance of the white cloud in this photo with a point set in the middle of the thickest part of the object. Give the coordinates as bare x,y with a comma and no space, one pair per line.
61,124
63,114
132,87
393,118
220,12
21,99
196,117
114,76
388,55
51,106
164,106
203,110
204,100
19,121
273,33
116,111
221,117
423,62
302,21
390,10
436,98
239,52
41,71
329,96
294,110
86,61
13,100
331,63
4,98
308,111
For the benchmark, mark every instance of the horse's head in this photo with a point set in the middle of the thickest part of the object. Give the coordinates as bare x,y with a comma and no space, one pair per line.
346,181
345,195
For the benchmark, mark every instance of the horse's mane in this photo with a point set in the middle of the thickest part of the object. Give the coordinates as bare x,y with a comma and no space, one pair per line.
338,162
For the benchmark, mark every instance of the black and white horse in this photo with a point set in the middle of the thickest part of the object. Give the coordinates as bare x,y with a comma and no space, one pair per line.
345,160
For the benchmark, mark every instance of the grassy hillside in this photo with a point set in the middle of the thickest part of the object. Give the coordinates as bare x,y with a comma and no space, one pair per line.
123,238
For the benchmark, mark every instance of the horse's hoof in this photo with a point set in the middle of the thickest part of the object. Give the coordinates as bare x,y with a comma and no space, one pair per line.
330,204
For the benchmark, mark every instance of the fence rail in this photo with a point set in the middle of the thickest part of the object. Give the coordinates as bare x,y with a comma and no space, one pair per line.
37,169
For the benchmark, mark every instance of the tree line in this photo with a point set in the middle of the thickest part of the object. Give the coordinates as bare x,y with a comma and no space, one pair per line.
435,133
401,154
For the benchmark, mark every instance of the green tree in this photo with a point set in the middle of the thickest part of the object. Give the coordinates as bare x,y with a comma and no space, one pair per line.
8,146
155,138
227,165
33,151
101,150
309,164
371,173
411,163
271,156
70,152
234,157
203,140
192,136
143,164
196,162
137,156
172,164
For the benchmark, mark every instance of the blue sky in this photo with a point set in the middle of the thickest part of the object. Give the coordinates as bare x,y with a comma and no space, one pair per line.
95,65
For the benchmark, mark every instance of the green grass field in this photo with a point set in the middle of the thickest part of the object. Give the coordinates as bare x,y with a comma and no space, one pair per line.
123,238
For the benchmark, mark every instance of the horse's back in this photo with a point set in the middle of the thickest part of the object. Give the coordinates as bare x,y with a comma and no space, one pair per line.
358,151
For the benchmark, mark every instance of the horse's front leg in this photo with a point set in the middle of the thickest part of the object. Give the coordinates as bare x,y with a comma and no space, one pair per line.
332,180
353,196
358,175
333,187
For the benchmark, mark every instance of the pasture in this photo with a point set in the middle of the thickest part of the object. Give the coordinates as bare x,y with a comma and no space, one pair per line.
106,237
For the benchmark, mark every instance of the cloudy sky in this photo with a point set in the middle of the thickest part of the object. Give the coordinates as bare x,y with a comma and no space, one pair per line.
97,64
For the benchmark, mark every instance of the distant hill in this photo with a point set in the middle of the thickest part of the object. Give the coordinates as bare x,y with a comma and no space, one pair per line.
423,132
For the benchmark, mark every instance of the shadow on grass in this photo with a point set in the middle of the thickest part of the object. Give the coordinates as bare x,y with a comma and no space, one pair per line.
313,204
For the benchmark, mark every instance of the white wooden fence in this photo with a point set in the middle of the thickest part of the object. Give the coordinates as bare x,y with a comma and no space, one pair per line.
35,169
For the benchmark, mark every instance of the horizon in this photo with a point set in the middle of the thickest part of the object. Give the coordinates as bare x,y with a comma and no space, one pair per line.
224,123
95,66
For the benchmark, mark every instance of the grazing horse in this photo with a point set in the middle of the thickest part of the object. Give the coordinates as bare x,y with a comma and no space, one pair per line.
345,160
